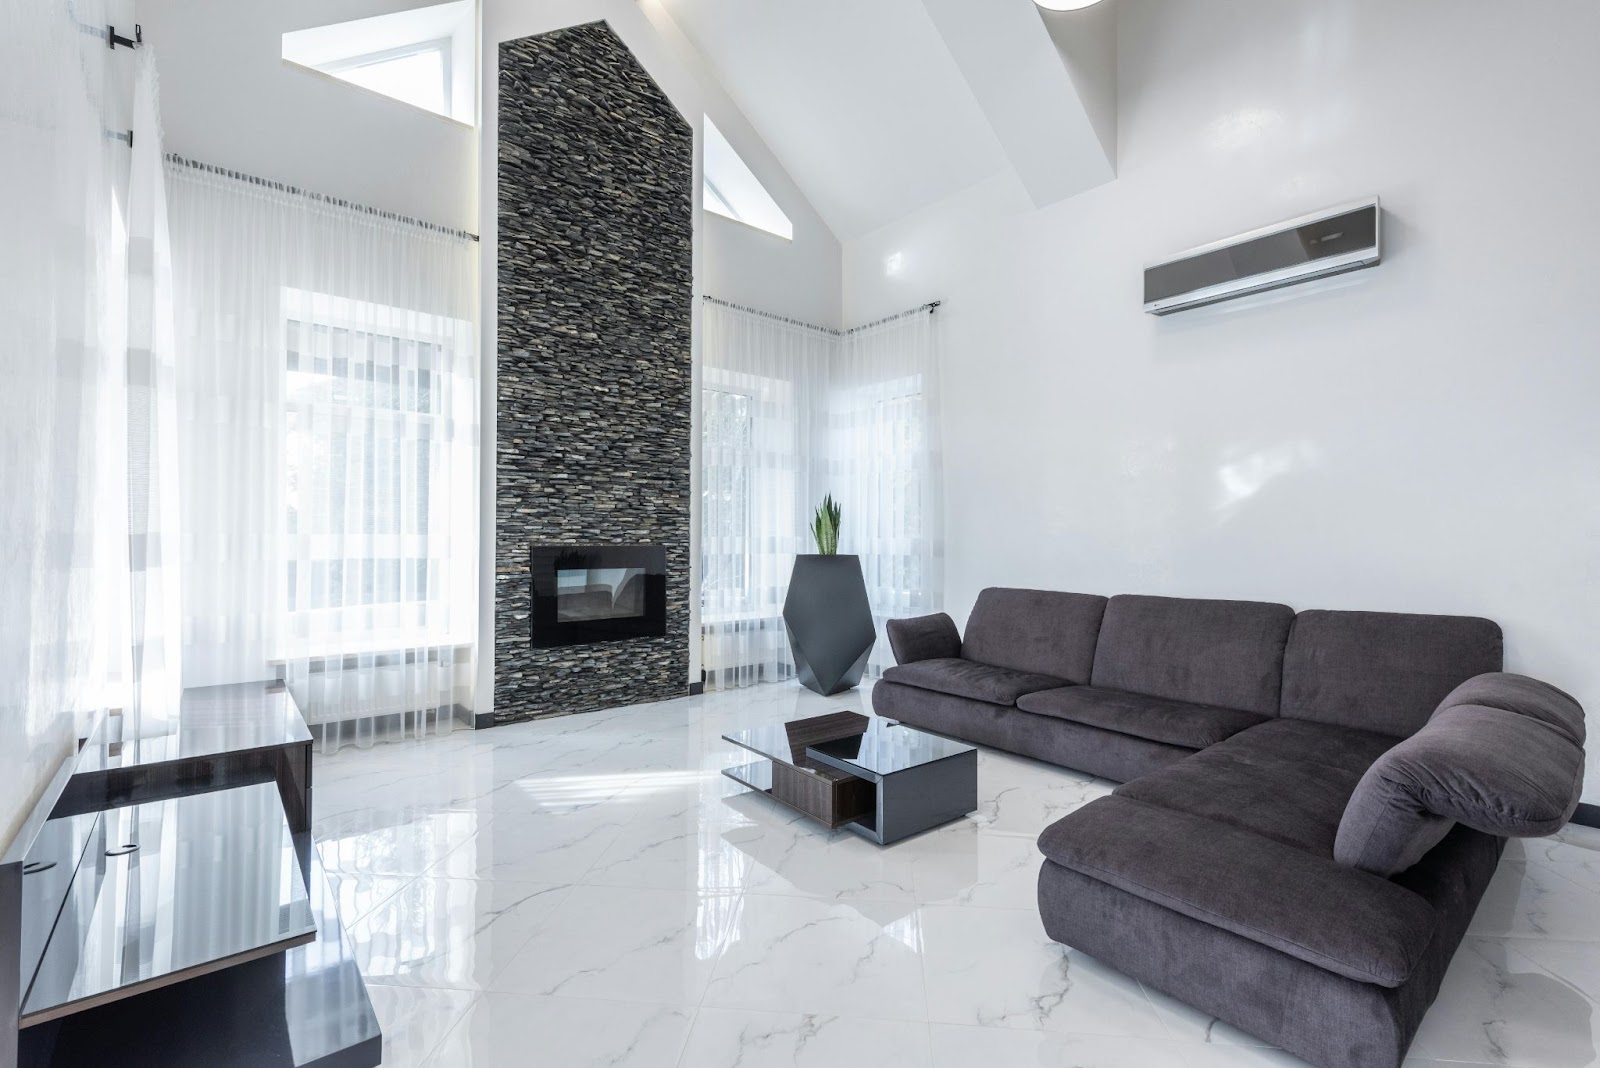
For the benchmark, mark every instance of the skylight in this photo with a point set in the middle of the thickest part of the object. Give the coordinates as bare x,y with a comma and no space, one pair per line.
423,57
732,189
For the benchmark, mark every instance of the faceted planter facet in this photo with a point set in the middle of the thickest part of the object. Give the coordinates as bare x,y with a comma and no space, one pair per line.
829,621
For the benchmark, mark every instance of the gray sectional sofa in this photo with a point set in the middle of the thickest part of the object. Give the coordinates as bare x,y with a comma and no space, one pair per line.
1311,805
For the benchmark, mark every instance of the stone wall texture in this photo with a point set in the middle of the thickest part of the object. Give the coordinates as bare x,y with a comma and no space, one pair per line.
596,204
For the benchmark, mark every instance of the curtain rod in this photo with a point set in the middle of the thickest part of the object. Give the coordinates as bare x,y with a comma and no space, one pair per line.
929,307
321,198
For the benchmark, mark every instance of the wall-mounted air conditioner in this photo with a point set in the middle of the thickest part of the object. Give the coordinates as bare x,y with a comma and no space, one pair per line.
1345,238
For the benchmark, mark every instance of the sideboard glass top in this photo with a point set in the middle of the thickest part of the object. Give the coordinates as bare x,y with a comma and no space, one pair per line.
207,721
170,889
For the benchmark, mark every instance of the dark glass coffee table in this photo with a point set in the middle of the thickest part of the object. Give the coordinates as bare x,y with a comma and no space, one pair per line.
881,779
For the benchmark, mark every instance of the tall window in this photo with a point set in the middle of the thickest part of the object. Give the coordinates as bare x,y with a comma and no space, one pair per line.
725,495
364,435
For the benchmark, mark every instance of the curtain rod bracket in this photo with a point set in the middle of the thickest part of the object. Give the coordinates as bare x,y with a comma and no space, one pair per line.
112,38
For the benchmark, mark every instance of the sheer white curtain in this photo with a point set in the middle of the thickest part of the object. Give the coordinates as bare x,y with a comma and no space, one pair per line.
790,412
154,598
763,384
885,466
328,388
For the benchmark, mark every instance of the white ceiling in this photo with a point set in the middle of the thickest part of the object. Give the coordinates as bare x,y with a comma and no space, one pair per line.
866,107
859,100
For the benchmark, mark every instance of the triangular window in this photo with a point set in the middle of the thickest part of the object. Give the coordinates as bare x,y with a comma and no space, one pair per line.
423,57
733,190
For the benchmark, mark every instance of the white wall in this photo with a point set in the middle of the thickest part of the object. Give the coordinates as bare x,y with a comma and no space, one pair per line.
228,98
63,298
1421,436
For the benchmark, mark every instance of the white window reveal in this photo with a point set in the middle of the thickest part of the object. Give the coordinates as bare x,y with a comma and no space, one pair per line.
424,57
733,191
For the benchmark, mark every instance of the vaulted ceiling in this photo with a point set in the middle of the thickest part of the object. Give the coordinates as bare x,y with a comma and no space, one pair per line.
880,107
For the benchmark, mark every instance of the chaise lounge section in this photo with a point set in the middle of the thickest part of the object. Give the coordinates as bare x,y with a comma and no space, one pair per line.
1312,804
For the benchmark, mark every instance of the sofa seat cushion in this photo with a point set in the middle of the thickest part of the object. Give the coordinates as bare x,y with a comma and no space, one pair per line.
1155,718
968,678
1346,921
1286,780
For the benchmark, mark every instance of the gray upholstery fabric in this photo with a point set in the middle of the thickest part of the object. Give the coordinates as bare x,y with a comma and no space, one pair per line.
1037,631
924,638
1118,757
1155,718
1312,1013
1286,780
1524,696
1223,653
1382,671
967,678
1497,771
1349,922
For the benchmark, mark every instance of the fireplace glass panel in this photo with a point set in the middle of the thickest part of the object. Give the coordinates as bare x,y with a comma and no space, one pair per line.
599,593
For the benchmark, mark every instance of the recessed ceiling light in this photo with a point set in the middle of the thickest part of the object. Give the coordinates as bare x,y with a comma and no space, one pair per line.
1065,5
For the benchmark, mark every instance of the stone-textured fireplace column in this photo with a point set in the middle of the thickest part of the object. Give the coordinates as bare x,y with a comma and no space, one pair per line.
595,250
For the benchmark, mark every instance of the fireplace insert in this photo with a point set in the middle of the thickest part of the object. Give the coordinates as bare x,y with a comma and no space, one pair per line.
597,593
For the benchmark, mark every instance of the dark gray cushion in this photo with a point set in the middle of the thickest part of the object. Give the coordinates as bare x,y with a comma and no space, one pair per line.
1382,671
924,638
1223,653
1329,1020
1347,921
1036,631
1143,716
1497,771
965,678
1528,697
1118,757
1287,780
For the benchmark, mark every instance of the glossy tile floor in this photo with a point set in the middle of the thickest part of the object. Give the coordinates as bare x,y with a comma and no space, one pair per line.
590,891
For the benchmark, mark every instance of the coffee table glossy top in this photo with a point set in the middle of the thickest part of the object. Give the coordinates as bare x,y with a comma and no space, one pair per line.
868,744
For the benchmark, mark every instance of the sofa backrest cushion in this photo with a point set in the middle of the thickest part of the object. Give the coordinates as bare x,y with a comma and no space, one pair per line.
1514,771
1227,653
1039,631
1382,671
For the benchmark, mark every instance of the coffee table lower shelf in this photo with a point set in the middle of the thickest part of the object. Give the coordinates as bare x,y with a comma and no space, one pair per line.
828,796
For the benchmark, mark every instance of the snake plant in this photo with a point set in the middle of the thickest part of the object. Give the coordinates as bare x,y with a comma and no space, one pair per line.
825,527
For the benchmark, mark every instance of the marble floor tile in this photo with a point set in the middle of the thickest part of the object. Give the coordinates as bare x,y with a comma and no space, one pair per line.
1526,900
1574,853
793,859
792,1040
391,841
590,890
626,944
1498,1007
414,1020
501,1030
997,968
964,1047
800,954
967,866
451,933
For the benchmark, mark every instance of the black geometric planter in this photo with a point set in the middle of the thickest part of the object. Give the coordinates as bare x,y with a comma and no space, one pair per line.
829,621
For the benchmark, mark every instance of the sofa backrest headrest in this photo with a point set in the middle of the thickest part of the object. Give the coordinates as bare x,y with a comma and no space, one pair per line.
1035,630
1503,755
1227,653
1382,671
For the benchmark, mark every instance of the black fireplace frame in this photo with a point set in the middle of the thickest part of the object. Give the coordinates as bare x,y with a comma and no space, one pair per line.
548,631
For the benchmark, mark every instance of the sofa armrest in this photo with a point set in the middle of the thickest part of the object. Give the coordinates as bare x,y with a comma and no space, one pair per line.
924,638
1345,921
